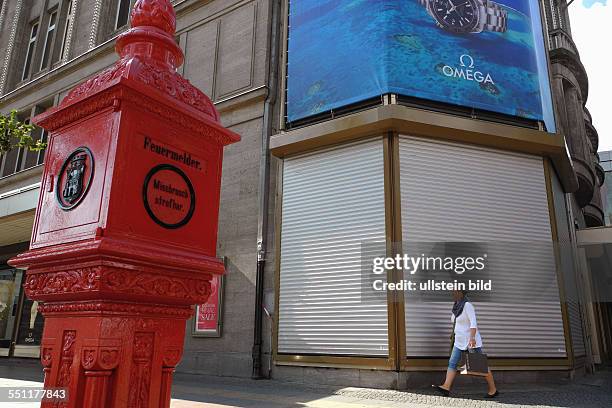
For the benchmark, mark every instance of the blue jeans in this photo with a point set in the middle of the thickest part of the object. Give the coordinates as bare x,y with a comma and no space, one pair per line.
455,357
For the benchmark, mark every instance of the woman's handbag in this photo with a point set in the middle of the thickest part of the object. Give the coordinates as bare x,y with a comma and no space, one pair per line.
474,363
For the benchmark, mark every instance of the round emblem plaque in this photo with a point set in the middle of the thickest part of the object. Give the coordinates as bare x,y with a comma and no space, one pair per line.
168,196
74,178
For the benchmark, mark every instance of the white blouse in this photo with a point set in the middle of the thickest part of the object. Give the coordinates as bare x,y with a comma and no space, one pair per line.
465,322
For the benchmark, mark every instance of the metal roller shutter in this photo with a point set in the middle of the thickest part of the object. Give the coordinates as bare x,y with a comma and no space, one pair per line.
455,192
333,202
570,278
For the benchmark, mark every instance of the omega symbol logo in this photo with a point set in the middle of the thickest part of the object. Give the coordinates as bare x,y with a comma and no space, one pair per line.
467,57
467,71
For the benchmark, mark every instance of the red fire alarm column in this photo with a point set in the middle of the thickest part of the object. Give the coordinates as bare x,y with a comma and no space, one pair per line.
126,228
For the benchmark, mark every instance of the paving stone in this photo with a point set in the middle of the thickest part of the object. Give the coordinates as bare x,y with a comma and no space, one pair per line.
197,391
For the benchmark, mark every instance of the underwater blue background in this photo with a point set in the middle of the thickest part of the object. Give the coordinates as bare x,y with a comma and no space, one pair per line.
345,51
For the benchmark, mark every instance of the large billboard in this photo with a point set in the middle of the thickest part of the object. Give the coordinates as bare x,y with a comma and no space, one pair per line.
477,54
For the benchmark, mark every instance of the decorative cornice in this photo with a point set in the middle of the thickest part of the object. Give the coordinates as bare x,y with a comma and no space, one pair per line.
129,253
119,308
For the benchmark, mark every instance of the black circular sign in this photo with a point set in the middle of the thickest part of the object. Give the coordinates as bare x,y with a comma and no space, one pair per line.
168,196
74,178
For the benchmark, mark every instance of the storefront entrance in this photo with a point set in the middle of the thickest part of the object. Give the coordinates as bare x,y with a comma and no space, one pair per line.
20,322
10,282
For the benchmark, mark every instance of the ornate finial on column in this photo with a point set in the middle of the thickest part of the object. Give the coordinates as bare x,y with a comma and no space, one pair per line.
154,13
152,33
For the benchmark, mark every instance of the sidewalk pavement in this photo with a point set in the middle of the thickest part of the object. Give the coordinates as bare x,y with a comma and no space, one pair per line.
192,391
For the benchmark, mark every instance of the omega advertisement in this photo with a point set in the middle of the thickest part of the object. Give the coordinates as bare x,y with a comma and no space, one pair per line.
477,54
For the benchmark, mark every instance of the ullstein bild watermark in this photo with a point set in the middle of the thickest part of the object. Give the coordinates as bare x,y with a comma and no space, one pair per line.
414,264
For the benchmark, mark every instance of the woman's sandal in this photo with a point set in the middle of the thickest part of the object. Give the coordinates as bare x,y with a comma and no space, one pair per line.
441,390
495,394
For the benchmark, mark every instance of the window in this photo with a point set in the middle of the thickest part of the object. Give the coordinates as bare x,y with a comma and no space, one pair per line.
65,45
30,51
49,40
123,13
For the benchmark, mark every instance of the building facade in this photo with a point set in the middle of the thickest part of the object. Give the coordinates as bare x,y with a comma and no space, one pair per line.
292,193
606,191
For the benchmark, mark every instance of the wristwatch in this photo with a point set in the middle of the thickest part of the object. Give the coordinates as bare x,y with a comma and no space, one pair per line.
467,16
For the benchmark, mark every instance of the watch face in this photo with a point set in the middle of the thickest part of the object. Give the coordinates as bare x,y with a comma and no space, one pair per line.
458,16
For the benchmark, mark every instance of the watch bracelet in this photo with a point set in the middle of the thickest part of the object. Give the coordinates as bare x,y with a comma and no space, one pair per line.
497,17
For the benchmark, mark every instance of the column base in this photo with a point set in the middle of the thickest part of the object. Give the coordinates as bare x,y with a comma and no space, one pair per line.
112,354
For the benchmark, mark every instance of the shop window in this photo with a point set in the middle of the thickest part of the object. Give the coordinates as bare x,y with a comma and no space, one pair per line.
10,280
49,40
30,51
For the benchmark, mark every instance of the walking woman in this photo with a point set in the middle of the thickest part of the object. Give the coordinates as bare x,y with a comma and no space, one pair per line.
466,335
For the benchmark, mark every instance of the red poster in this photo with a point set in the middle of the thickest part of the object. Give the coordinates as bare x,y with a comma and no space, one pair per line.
207,318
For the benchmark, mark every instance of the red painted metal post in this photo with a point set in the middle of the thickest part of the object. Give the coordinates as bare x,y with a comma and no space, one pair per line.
126,227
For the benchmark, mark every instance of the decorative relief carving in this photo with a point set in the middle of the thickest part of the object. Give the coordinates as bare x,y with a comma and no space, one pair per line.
140,376
109,358
116,280
172,357
149,284
94,84
67,357
100,358
46,356
158,76
77,280
89,358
